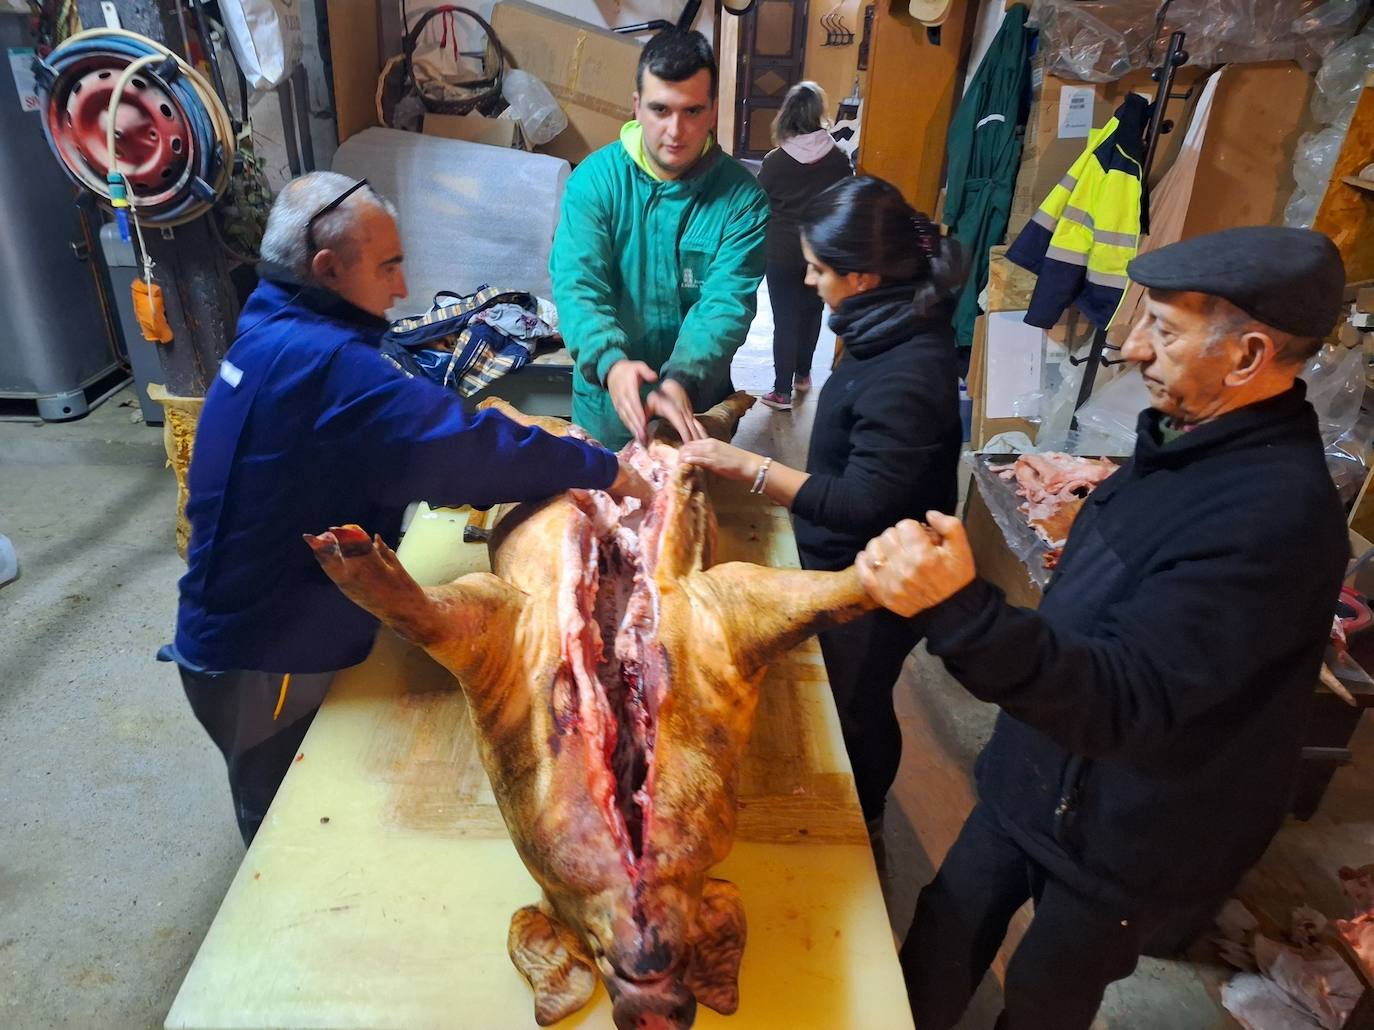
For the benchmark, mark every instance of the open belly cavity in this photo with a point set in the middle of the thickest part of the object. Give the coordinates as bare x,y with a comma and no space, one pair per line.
613,671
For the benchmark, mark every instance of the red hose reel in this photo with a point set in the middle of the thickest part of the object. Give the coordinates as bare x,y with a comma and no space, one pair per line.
153,138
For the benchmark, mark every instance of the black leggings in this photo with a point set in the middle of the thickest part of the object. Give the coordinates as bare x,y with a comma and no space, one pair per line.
863,659
796,324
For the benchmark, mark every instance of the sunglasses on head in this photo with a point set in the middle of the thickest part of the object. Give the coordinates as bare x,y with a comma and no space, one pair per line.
332,205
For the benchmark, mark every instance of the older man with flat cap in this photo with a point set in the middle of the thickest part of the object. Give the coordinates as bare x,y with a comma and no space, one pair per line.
1152,707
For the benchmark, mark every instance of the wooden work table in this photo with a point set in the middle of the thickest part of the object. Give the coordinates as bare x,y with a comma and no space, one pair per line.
379,891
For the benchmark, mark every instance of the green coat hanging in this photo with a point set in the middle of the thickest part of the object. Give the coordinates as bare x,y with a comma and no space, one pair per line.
984,154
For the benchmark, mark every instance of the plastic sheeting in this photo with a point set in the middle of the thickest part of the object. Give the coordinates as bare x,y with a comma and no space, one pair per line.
1338,83
1335,380
470,214
1102,40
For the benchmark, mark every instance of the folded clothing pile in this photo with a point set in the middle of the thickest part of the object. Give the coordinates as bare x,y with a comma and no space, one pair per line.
467,342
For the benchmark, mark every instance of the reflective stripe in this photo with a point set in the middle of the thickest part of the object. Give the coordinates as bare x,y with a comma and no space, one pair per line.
1045,220
230,373
1069,182
1069,257
1114,239
1077,214
991,118
1116,282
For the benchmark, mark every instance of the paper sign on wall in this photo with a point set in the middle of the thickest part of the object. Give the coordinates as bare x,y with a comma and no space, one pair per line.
1076,112
21,66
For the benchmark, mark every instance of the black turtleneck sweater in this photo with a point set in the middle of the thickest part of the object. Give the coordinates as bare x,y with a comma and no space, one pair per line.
886,440
1152,707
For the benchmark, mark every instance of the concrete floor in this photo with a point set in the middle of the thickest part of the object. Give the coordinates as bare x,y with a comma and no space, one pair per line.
118,840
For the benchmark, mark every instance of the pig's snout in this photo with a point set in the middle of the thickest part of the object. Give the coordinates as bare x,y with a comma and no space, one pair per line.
664,1004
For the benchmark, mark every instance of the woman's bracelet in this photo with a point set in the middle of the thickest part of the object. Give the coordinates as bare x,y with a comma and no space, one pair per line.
761,477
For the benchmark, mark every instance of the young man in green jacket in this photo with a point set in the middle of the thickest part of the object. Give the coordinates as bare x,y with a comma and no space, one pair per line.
658,256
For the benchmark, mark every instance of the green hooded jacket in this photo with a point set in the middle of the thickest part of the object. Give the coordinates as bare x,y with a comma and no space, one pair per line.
659,271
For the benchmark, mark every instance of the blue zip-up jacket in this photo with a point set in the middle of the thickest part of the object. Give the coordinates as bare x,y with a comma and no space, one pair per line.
306,427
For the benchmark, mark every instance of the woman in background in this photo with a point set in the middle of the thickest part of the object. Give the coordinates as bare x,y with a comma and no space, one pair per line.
885,444
805,163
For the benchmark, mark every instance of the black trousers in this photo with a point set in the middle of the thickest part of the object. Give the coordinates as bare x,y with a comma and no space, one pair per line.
863,659
236,709
797,312
1074,948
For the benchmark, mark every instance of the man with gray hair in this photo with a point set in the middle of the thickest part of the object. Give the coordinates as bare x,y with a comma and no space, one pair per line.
1153,706
307,426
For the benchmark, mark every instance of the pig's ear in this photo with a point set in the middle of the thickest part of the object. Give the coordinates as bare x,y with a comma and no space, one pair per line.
717,948
551,958
759,613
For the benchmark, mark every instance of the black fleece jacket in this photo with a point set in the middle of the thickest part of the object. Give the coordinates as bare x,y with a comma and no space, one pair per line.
1152,708
791,185
885,443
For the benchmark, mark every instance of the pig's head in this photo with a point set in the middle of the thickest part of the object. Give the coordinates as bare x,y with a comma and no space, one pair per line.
641,947
660,950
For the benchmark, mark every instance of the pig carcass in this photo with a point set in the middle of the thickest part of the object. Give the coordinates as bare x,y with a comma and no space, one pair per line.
611,671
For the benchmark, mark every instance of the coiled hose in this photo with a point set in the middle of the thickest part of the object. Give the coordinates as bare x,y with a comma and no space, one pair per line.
187,179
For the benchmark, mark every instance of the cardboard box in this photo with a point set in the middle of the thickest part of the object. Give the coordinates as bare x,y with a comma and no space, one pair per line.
994,560
473,128
590,70
1245,169
1009,285
1072,332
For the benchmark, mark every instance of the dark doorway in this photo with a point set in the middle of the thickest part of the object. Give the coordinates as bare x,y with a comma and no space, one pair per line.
772,47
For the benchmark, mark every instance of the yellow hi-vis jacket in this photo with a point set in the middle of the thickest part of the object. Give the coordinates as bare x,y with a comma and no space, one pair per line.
1088,228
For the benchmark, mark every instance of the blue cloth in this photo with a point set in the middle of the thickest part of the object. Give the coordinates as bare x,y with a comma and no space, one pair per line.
306,427
452,345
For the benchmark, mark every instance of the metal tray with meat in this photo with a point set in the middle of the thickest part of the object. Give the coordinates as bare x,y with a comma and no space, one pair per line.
1034,499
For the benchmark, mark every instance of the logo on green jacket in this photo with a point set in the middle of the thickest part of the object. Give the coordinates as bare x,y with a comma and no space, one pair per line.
693,260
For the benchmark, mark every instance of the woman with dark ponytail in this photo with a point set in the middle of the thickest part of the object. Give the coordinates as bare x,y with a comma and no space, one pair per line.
804,164
886,440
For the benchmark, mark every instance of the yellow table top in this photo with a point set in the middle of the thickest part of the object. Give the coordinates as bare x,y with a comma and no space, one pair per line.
380,888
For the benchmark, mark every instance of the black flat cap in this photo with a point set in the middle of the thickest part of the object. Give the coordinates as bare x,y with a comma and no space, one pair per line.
1291,279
